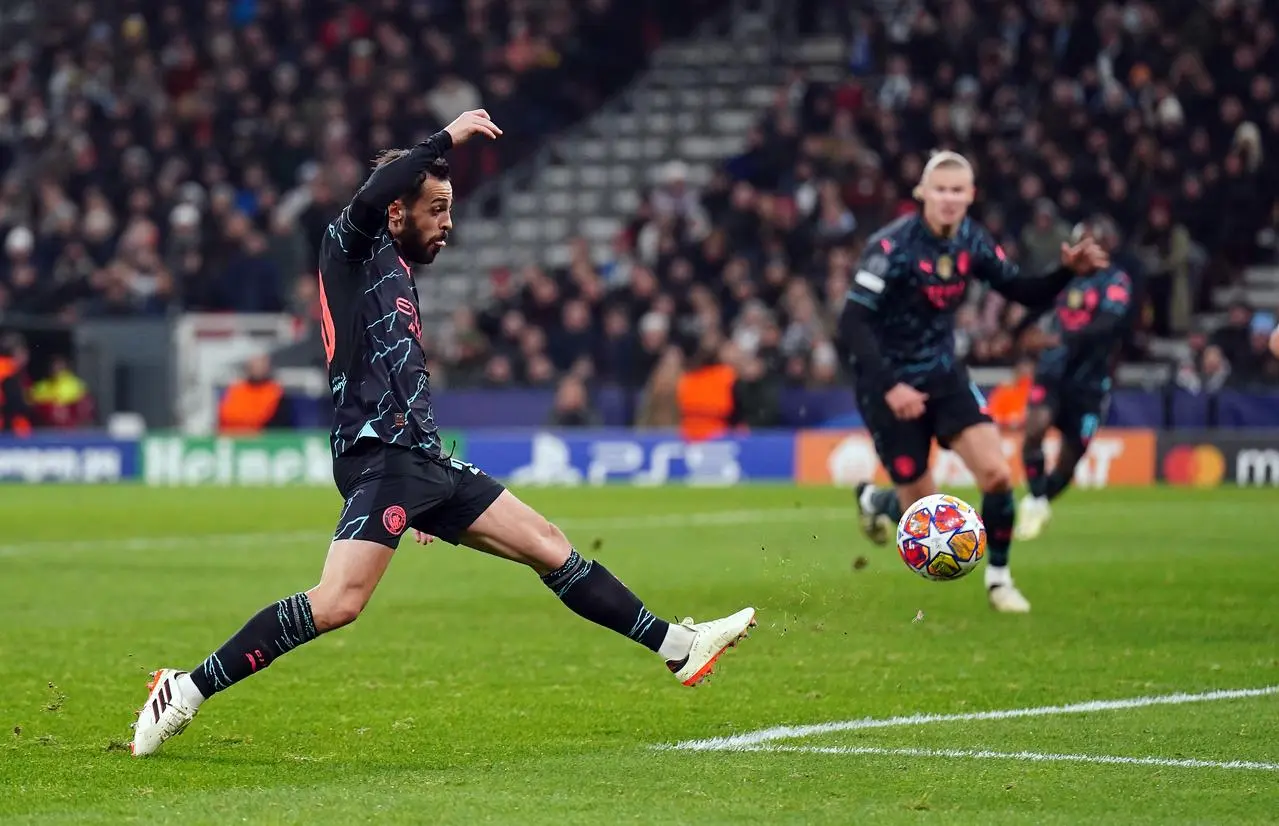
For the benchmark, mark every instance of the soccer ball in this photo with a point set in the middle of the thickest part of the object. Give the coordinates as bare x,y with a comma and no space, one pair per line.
941,537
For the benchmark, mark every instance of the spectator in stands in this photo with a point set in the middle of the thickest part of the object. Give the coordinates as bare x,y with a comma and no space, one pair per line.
255,402
1262,369
757,392
1165,252
617,353
182,142
707,393
15,409
1234,338
61,399
1042,238
572,407
202,178
1007,402
659,401
1207,374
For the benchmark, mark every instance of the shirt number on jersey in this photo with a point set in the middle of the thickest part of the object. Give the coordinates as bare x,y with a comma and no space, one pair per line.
326,325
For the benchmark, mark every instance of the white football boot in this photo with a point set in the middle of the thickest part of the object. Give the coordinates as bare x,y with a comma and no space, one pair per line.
710,641
877,527
1003,594
1033,514
166,712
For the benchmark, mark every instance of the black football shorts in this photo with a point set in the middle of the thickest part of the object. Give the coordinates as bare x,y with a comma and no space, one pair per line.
954,405
389,489
1077,412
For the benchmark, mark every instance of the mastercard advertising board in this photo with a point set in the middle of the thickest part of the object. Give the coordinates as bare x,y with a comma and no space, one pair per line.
1116,457
1208,458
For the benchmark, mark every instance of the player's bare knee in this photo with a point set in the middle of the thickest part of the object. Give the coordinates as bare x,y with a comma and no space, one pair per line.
333,608
908,493
995,478
550,548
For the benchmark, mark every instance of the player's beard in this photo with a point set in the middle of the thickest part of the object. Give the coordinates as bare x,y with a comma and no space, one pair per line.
416,243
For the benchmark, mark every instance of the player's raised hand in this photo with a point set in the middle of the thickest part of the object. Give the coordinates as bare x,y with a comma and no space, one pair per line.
422,538
472,123
906,402
1084,257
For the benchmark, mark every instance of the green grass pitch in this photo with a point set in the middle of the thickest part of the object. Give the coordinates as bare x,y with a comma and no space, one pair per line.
468,695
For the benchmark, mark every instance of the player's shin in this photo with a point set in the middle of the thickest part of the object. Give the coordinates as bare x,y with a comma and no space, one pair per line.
592,592
885,501
997,514
275,630
1032,458
1057,482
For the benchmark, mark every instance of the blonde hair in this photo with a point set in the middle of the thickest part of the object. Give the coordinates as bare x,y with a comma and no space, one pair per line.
945,159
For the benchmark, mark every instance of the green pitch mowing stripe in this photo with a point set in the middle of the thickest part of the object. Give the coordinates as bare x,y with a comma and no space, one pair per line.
467,694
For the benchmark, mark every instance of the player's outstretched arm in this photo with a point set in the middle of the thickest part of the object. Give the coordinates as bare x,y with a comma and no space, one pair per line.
992,266
358,224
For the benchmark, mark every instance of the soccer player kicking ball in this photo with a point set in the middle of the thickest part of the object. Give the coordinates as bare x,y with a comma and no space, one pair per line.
898,325
1073,375
388,463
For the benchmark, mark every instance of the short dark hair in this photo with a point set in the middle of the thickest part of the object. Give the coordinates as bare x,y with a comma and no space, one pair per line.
439,169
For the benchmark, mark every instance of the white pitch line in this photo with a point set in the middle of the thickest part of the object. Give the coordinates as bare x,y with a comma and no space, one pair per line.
1025,756
755,738
726,518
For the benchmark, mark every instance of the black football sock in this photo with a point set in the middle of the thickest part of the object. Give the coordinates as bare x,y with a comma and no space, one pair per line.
1055,484
591,592
1033,460
275,630
885,501
997,513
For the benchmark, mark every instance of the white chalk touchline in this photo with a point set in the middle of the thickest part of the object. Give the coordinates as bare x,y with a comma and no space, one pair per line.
1027,756
619,523
755,738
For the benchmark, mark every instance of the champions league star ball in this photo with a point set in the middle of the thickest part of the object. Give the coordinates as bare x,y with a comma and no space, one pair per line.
941,537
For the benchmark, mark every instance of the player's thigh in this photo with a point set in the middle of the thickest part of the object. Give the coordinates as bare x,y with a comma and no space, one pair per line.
1078,421
1039,418
956,405
1080,416
964,426
352,571
509,528
911,492
981,447
1041,411
482,514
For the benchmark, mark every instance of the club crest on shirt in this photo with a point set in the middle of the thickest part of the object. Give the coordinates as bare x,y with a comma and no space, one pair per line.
945,267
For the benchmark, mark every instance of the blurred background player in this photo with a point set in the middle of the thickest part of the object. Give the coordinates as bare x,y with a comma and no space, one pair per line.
898,327
388,461
1074,374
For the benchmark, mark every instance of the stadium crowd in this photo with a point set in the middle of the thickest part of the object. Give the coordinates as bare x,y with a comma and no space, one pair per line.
159,155
1163,116
173,155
